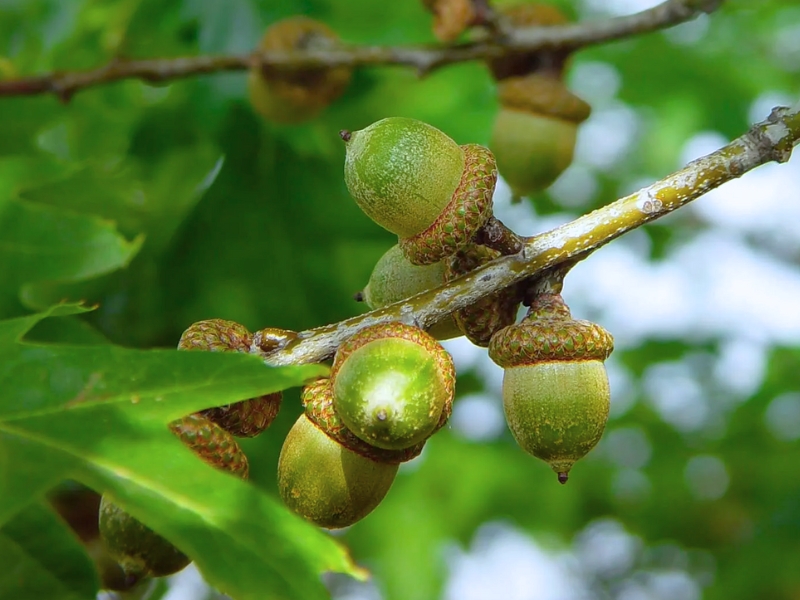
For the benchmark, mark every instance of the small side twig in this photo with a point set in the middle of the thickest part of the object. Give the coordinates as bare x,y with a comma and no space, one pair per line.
497,236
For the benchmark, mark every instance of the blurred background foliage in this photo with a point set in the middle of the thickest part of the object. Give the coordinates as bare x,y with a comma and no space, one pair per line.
200,209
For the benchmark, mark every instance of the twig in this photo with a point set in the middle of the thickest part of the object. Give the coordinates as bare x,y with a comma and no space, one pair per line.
771,140
424,58
497,236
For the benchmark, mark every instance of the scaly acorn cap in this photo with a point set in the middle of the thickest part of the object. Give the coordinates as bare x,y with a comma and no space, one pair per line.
543,95
535,131
415,181
139,550
317,399
247,418
467,212
393,385
481,320
523,63
451,17
324,482
395,278
555,388
292,96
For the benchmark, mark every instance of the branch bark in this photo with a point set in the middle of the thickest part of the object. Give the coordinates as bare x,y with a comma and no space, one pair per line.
770,140
423,58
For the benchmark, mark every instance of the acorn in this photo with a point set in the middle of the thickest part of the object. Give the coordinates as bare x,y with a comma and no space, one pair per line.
415,181
292,96
391,383
326,483
451,17
556,395
481,320
247,418
139,550
394,278
535,131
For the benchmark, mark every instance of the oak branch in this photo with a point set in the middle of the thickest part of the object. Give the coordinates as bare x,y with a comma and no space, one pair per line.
423,58
771,140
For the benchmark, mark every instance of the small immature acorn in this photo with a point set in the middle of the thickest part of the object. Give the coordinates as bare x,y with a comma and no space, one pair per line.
139,550
294,96
555,387
391,383
415,181
481,320
535,131
323,480
247,418
394,278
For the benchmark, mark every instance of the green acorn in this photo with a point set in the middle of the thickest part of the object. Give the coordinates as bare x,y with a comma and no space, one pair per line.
294,96
325,474
555,388
391,383
481,320
535,131
247,418
415,181
394,278
139,550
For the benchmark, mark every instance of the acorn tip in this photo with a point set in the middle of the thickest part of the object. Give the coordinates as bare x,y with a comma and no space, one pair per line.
345,135
563,477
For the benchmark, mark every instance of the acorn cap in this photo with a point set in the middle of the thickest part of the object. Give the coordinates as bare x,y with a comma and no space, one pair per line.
247,418
544,95
468,210
292,95
481,320
216,335
549,333
211,443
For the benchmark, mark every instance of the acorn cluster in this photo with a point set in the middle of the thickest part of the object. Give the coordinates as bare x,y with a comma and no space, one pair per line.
392,385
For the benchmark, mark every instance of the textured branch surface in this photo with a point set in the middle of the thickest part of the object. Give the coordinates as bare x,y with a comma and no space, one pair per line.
424,59
771,140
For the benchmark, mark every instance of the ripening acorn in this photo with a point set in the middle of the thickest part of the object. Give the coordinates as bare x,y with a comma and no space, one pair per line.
391,383
322,480
415,181
140,551
247,418
535,131
294,96
556,395
395,278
